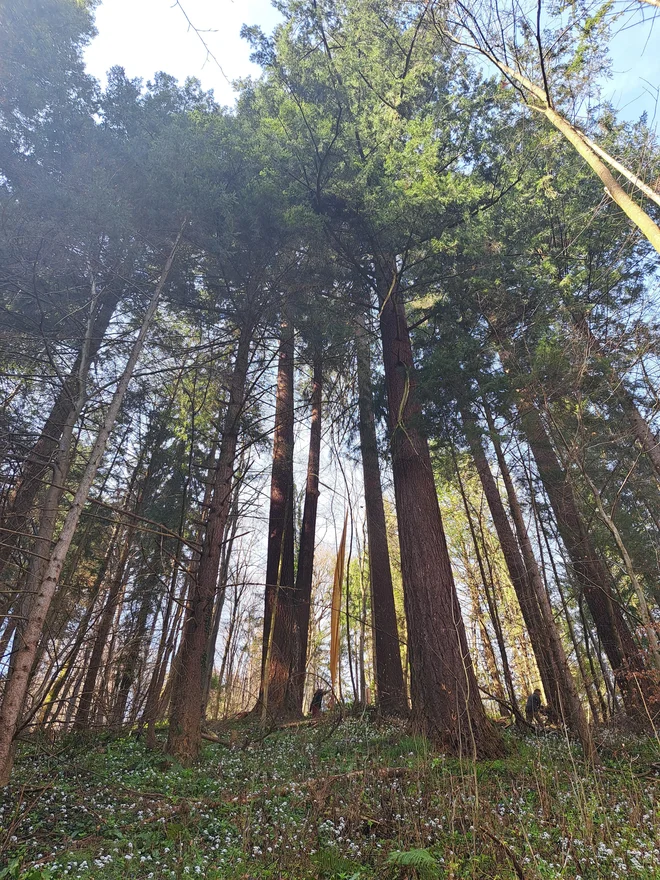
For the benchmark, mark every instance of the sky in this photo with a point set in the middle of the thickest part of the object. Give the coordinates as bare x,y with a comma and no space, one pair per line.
145,36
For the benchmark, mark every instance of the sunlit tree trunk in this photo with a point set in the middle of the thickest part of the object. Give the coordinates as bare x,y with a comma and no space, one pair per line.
445,698
539,100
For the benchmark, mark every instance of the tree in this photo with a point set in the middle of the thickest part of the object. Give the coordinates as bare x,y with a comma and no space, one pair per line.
17,682
498,37
390,687
281,638
187,701
445,697
558,683
305,569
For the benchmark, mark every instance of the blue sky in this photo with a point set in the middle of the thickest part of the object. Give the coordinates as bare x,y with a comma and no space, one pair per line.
145,36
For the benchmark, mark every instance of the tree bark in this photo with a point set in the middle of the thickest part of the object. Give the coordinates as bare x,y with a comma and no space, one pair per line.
487,645
188,674
117,584
591,154
281,645
225,558
445,696
489,590
390,687
131,651
305,570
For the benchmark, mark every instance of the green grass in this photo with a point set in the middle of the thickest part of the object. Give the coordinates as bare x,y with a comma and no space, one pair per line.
354,800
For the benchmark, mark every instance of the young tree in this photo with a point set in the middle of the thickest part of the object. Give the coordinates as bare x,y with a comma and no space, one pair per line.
17,683
509,39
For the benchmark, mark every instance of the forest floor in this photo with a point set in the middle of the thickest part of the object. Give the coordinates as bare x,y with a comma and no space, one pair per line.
356,800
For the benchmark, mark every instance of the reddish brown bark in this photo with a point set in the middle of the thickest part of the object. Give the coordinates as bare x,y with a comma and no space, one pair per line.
445,696
281,637
308,534
390,687
186,708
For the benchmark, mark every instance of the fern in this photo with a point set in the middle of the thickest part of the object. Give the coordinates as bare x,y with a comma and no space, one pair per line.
421,861
330,864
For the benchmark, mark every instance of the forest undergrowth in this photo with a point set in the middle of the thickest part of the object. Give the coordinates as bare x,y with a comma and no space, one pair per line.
340,799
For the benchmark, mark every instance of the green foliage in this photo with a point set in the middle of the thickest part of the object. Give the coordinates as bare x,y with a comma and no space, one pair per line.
112,809
331,865
420,861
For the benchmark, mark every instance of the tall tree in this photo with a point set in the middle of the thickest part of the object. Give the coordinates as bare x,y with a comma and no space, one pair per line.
305,569
189,673
625,657
558,682
281,636
445,696
390,689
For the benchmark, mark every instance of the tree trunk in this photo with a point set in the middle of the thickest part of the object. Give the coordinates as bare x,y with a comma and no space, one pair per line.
305,570
640,427
489,589
480,623
591,154
233,617
128,668
38,461
626,659
514,562
558,684
186,708
69,665
16,690
390,688
445,697
227,546
281,645
119,578
647,622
